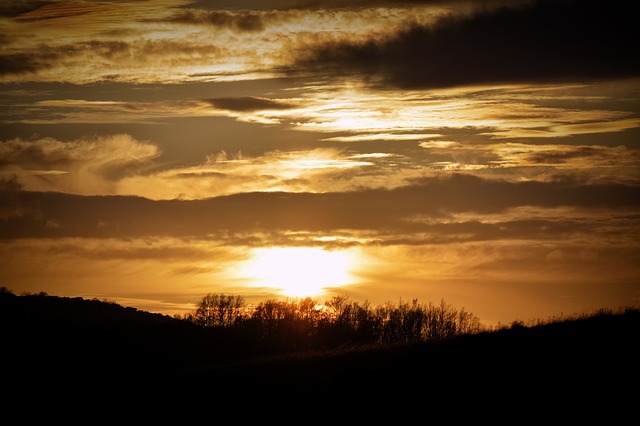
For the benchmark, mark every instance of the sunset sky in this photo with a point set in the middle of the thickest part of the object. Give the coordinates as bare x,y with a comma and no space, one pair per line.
482,152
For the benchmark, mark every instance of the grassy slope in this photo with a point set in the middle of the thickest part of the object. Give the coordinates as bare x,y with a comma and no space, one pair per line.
584,364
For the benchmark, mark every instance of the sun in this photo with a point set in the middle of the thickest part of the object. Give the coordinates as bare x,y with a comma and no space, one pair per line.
299,271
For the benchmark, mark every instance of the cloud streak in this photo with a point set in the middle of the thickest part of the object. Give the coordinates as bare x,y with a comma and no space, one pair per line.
249,104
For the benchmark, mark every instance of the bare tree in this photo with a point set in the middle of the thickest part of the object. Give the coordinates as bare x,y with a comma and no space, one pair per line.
219,310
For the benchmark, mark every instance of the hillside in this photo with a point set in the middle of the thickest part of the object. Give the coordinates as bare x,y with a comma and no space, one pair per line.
50,340
569,365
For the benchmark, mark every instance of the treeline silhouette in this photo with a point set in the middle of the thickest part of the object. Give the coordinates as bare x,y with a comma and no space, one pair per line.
305,323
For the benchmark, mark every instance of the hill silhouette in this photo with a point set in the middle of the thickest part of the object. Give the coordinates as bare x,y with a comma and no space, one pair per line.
581,365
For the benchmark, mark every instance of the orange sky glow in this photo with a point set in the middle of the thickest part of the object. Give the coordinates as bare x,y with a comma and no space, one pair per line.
482,152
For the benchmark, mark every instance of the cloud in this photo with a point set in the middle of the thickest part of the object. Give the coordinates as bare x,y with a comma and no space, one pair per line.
338,4
502,111
317,170
249,104
597,127
615,163
569,129
26,63
546,41
83,166
108,60
12,8
248,21
245,4
49,10
63,111
383,137
593,155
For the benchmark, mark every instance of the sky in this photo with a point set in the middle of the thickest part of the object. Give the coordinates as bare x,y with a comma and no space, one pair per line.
485,153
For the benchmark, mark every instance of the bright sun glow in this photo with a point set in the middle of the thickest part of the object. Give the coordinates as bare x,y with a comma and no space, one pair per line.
299,271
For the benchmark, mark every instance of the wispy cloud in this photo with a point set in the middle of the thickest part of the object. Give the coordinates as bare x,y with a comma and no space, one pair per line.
362,114
86,166
120,164
163,42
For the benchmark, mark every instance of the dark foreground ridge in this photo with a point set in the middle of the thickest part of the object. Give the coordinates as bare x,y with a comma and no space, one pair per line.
87,347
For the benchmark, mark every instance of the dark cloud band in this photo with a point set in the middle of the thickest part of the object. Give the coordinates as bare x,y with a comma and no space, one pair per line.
30,214
550,40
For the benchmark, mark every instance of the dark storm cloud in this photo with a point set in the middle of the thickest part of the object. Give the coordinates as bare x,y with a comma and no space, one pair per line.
550,40
248,103
378,211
